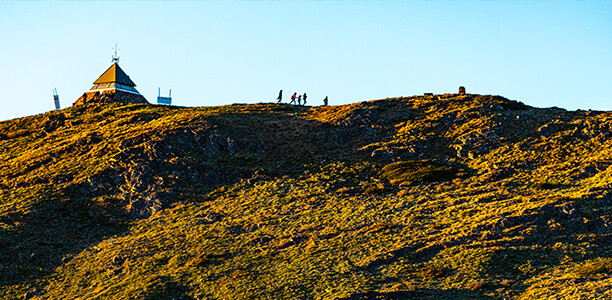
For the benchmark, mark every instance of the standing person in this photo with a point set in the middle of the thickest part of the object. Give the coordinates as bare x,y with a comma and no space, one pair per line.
280,96
304,98
293,98
325,101
300,100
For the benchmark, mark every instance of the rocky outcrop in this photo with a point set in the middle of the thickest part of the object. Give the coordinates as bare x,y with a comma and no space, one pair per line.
157,171
54,122
110,97
476,142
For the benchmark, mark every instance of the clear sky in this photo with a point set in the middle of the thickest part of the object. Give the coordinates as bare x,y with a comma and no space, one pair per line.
212,53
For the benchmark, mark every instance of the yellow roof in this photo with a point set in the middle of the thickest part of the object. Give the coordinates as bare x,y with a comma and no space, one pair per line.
114,74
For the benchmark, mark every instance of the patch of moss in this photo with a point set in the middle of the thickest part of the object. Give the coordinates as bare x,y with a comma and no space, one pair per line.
418,171
544,185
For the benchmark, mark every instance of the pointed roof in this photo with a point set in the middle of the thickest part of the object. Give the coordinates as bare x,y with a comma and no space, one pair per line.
114,74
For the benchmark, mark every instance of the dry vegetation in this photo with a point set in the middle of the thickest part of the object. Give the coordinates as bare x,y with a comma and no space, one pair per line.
443,197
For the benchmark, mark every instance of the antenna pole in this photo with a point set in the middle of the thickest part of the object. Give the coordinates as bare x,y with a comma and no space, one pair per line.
115,56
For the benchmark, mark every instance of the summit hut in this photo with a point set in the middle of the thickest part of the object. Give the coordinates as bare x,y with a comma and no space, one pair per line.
113,86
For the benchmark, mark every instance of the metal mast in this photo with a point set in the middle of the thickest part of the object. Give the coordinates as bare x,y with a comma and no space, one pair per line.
56,99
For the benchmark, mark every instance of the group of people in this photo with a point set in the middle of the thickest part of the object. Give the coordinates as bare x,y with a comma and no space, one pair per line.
301,99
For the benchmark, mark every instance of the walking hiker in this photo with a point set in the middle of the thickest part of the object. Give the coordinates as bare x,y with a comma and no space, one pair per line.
304,98
300,100
280,96
293,98
325,101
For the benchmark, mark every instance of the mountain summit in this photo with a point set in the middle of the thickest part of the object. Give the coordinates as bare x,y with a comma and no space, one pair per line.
455,196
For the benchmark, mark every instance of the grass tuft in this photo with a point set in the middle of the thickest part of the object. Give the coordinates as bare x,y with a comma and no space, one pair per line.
594,267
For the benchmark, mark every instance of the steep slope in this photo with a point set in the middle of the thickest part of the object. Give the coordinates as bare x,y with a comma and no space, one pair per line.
441,197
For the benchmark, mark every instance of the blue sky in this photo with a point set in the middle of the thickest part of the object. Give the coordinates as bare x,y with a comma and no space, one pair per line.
214,53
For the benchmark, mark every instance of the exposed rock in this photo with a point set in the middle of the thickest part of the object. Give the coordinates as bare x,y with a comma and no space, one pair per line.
110,97
257,146
476,142
560,215
556,127
54,122
360,117
150,186
215,142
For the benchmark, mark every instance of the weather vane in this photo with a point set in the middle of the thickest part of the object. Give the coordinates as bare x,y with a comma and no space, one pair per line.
115,55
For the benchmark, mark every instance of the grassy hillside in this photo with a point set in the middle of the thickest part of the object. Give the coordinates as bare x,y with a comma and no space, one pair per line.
433,197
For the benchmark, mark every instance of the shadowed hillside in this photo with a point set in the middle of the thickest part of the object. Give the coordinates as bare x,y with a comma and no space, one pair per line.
432,197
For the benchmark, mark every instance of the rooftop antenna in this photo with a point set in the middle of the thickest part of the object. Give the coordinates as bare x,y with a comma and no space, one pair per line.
56,98
115,55
164,100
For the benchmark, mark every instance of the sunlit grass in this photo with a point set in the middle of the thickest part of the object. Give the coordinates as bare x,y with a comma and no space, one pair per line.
459,197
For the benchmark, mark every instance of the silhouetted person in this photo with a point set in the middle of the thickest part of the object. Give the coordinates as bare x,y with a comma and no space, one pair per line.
280,96
325,101
293,98
304,97
300,100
